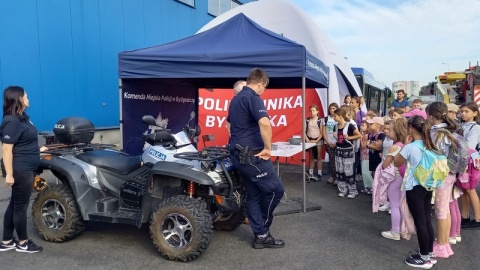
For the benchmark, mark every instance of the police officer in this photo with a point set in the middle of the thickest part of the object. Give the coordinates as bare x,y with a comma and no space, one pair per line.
250,148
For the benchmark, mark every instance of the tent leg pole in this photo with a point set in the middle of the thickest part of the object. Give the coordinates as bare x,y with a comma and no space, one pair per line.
121,112
303,146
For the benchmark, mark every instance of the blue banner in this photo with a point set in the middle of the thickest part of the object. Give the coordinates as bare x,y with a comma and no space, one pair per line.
170,102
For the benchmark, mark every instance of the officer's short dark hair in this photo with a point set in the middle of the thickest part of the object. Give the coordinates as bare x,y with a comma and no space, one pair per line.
257,75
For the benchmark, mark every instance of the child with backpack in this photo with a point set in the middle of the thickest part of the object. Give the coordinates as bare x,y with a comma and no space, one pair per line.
454,147
470,116
418,197
344,154
313,134
328,129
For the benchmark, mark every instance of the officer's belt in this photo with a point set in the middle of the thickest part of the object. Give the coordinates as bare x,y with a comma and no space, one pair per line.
252,153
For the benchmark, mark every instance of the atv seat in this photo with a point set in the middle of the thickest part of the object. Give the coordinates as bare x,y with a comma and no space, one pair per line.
115,161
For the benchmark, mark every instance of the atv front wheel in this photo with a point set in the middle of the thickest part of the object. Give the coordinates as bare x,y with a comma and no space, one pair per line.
56,215
181,228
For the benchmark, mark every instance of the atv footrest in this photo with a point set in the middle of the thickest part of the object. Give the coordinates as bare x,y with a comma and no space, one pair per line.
123,216
109,204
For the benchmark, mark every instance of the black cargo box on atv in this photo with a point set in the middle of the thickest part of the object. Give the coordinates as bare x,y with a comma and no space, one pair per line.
72,130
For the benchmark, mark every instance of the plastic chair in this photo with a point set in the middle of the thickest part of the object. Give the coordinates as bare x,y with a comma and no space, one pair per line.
208,138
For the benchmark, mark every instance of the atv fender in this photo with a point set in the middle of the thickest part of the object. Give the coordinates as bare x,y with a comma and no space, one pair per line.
182,171
70,174
172,174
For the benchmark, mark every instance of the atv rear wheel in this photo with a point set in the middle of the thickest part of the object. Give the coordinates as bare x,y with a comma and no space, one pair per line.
56,215
181,228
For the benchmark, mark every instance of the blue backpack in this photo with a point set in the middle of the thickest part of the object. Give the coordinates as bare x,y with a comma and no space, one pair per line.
432,169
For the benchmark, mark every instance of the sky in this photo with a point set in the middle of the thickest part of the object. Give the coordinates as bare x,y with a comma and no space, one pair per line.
400,40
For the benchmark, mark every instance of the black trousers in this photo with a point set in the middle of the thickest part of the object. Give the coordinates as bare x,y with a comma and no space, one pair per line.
419,202
264,192
16,215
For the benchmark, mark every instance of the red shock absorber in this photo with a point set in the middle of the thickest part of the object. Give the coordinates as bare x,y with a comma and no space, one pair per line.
191,188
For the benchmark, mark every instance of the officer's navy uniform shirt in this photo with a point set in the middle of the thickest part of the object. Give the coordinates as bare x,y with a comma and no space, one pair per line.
23,135
246,109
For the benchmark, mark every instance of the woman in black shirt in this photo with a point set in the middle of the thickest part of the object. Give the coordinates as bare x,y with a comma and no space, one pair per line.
21,156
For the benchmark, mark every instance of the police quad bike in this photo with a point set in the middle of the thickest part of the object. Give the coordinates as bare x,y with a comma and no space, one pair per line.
184,193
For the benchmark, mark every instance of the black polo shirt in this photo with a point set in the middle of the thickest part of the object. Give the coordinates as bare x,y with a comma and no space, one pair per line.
23,135
245,110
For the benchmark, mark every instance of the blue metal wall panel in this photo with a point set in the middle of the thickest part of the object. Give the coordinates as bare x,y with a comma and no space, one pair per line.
133,24
87,60
169,21
56,59
112,42
153,22
19,52
64,53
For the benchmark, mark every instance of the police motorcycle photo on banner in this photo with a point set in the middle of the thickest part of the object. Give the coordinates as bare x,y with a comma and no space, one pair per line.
169,104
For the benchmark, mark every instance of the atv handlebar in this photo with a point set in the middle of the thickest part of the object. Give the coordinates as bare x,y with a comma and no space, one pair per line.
206,154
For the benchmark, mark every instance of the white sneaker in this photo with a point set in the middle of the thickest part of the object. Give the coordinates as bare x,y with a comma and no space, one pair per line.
458,238
341,194
452,240
351,196
391,235
384,208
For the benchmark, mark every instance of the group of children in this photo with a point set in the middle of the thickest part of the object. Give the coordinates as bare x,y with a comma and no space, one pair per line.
358,142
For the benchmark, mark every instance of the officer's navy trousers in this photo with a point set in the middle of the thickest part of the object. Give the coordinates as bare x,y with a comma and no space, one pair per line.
264,192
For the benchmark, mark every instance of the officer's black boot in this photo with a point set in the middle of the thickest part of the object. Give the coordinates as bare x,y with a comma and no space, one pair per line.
267,242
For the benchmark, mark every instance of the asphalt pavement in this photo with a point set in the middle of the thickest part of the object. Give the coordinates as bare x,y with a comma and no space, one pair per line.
344,234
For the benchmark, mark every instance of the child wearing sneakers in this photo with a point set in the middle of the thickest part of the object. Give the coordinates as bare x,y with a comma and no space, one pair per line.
418,198
344,154
397,132
313,134
442,126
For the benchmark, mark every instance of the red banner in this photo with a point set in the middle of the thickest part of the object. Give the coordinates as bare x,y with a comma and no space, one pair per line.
284,106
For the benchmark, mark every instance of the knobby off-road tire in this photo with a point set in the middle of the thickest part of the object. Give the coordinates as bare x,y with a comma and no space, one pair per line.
231,221
181,228
56,215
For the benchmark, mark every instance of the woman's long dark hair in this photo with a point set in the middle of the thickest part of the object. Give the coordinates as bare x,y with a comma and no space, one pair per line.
12,102
439,111
423,127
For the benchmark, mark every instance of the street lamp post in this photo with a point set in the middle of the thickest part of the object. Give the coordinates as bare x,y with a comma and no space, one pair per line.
448,66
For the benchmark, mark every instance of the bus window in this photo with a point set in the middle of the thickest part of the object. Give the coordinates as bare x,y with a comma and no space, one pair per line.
373,98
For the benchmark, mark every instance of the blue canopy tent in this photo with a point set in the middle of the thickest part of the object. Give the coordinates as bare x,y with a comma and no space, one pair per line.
219,56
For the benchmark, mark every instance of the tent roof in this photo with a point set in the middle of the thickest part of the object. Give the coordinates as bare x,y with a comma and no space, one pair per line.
224,53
